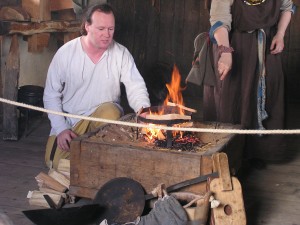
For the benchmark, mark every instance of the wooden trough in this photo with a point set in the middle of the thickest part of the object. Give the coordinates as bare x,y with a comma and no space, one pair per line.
114,151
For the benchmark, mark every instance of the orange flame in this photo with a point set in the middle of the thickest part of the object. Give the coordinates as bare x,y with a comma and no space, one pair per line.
174,89
173,96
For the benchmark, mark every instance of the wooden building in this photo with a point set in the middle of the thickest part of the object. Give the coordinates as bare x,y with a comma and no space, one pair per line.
155,32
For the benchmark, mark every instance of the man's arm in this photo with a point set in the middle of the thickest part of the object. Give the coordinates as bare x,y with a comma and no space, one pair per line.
136,90
277,44
53,101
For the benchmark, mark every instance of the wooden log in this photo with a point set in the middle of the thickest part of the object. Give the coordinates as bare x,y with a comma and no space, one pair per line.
14,13
51,191
9,27
45,180
36,198
182,107
37,42
10,91
59,177
167,117
39,10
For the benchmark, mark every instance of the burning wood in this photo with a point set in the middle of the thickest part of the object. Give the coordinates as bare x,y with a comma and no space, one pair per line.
182,107
187,142
167,117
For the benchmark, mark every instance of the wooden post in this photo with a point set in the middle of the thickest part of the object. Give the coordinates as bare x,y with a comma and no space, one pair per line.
10,91
37,42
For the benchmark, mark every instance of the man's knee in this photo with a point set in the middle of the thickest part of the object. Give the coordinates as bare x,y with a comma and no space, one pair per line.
108,110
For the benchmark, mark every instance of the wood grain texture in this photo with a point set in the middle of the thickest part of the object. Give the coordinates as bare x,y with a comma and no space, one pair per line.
10,91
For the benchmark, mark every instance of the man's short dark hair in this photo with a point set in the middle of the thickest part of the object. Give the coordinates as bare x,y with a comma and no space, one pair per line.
105,8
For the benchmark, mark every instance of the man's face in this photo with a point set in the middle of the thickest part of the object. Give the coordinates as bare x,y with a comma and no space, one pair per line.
101,31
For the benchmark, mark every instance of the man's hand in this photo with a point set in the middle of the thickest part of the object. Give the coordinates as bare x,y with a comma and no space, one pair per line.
64,139
224,64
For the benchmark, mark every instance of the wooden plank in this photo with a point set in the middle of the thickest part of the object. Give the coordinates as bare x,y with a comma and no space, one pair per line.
39,10
9,3
7,28
140,32
231,210
152,36
66,15
177,32
220,161
166,53
98,163
125,22
56,5
37,42
10,91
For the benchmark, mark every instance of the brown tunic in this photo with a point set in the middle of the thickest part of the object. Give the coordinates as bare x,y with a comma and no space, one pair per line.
234,99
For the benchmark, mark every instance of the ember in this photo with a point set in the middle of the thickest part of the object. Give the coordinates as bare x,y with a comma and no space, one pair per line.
185,142
172,113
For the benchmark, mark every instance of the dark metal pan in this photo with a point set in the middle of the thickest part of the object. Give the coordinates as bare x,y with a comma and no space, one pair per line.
167,110
122,200
83,215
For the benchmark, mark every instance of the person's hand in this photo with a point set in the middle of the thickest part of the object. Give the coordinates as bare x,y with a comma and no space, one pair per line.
224,64
277,44
64,139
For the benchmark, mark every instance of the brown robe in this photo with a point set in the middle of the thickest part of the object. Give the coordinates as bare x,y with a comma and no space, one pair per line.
234,100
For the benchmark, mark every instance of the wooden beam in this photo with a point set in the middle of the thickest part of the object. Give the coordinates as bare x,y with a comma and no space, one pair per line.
10,91
15,13
10,27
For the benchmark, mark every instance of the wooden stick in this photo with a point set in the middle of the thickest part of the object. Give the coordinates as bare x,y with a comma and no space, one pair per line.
168,117
59,177
45,180
51,191
181,106
25,28
36,198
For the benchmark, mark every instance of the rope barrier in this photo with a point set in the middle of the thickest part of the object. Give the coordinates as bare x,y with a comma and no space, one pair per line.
140,125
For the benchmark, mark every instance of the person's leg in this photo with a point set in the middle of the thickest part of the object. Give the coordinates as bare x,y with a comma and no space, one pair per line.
53,153
107,110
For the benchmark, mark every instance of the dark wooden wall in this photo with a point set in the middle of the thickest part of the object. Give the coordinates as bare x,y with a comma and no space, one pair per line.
161,31
9,2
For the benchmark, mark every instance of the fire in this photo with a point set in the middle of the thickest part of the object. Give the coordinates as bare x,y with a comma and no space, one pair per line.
174,89
174,96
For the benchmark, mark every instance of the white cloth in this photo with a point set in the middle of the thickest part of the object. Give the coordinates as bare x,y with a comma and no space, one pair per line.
76,85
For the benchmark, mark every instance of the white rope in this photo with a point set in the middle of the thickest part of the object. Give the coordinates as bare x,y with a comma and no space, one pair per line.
140,125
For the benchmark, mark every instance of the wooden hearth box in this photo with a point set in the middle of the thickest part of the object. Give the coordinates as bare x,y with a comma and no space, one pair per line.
103,155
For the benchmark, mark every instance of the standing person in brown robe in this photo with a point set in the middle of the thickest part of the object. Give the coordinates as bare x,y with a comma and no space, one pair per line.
248,38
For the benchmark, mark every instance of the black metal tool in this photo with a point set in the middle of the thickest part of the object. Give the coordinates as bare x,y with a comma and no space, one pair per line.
186,183
83,215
